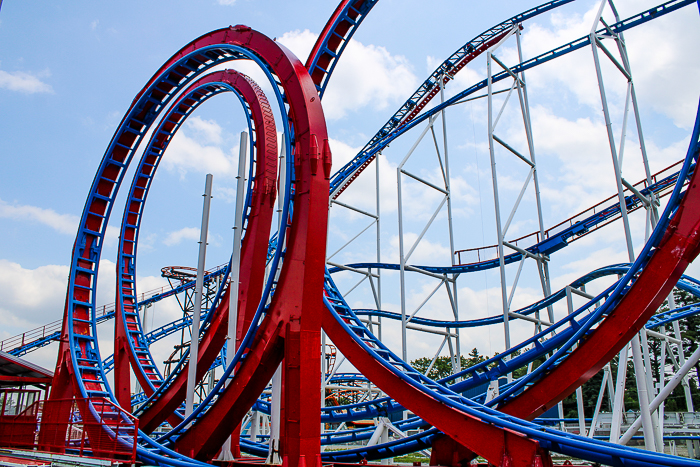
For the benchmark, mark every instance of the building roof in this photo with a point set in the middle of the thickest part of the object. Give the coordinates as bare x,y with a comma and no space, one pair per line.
15,371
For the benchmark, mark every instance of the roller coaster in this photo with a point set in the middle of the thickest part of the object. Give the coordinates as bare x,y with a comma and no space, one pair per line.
279,394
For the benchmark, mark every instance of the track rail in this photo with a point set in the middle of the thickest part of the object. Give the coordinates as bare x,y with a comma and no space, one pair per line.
555,238
348,173
289,330
129,338
336,35
430,88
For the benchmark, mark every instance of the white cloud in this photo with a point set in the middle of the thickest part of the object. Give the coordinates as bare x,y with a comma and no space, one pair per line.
35,297
574,71
31,296
94,24
226,2
425,253
27,83
188,154
208,130
367,75
186,233
655,63
362,192
665,72
63,223
299,42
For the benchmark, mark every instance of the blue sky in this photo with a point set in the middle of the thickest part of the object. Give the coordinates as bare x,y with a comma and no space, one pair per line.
68,72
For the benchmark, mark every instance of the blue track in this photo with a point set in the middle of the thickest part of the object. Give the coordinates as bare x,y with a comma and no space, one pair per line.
145,110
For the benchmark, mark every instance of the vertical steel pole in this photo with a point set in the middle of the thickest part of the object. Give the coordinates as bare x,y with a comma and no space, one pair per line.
662,383
619,402
501,260
194,341
681,359
681,354
639,373
273,456
402,272
631,95
622,48
525,106
613,150
579,390
379,250
402,257
234,283
236,258
457,363
651,393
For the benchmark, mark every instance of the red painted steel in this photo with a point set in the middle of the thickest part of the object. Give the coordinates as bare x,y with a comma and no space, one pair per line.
96,428
253,250
335,40
290,333
680,245
496,445
295,312
423,102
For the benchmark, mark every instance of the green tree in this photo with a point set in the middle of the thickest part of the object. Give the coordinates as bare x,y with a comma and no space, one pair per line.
442,367
690,334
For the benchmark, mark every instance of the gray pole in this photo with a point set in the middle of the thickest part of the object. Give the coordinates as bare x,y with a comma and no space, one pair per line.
235,271
379,244
236,259
194,342
499,230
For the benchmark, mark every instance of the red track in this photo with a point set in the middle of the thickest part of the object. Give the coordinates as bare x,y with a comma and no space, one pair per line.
290,332
253,250
292,327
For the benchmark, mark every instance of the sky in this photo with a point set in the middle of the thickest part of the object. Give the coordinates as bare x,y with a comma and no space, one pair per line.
68,73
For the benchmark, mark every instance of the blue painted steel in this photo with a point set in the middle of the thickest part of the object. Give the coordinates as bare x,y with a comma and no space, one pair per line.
656,321
561,239
447,68
266,293
162,136
88,367
369,152
547,246
574,443
670,316
345,16
286,214
181,288
46,340
91,364
568,444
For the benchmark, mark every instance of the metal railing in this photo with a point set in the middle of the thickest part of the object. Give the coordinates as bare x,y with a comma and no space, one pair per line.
53,330
490,252
94,427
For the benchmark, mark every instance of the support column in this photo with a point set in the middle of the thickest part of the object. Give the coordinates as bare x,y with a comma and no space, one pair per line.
226,449
194,341
457,358
499,229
